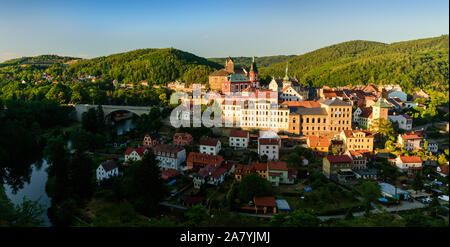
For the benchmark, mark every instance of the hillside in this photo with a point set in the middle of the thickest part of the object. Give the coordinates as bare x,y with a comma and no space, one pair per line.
157,66
411,64
244,62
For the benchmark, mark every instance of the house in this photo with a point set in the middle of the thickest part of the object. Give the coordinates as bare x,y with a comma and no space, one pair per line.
420,95
411,141
269,147
135,154
361,116
412,165
202,176
210,145
169,156
370,173
404,121
345,176
151,140
388,190
199,160
278,173
182,139
260,169
266,204
170,174
242,170
357,140
443,170
432,146
218,176
333,163
318,143
359,160
239,139
106,170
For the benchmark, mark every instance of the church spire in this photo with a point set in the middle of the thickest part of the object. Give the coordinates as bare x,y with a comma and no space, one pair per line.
286,77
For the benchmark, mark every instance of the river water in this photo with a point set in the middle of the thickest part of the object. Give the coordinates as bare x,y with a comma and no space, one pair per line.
33,191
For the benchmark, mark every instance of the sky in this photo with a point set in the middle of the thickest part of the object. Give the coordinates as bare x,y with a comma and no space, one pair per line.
210,28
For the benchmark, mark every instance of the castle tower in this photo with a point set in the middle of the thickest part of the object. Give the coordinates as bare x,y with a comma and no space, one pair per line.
229,65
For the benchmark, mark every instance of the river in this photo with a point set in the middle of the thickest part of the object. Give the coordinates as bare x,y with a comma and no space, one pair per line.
33,191
123,126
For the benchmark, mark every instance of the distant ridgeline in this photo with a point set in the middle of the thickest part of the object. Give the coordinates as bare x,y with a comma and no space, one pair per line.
412,64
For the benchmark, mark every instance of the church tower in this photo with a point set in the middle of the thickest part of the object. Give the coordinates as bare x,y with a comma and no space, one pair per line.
254,74
286,80
380,109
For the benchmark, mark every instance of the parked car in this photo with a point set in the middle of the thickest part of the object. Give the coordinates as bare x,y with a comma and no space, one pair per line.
443,198
425,200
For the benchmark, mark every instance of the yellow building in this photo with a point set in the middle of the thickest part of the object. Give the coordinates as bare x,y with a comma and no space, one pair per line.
357,140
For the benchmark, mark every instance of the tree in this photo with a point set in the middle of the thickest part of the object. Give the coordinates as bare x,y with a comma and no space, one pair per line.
303,218
417,183
146,188
196,216
382,128
370,192
253,185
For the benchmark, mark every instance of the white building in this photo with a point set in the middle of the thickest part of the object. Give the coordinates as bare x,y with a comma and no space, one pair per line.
210,146
269,144
404,121
238,139
106,170
412,164
169,156
135,154
288,93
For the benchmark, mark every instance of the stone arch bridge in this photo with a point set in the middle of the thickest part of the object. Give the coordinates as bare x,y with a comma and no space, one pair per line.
108,109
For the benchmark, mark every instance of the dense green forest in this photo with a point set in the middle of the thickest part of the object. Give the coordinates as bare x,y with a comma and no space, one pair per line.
244,62
412,64
157,66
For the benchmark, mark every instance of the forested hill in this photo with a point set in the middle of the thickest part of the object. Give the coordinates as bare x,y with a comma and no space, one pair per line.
244,62
157,66
26,68
422,63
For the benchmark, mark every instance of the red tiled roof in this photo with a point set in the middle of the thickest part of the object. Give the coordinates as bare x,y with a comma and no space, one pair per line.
259,166
218,172
168,149
208,141
205,159
169,173
140,151
277,165
274,174
318,141
306,104
183,136
412,159
339,158
406,116
239,133
411,137
269,141
444,169
243,169
349,133
267,201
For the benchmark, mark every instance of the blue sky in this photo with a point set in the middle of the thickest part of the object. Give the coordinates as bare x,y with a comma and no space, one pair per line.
210,28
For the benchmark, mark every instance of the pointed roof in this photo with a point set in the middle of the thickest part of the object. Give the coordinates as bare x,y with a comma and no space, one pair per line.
253,67
286,77
381,103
